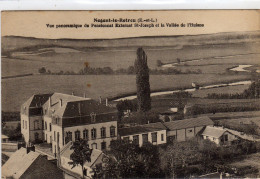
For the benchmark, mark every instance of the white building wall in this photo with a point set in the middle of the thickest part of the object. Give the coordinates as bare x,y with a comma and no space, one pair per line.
25,129
159,141
98,127
47,132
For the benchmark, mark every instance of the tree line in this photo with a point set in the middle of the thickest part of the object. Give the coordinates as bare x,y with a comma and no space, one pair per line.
122,71
252,92
178,159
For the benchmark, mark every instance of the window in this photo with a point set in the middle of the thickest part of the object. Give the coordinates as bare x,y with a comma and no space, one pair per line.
103,145
94,146
162,137
225,137
69,136
50,126
36,136
25,124
54,138
145,138
85,134
103,132
154,137
112,131
36,124
58,136
93,133
136,139
77,135
45,125
93,117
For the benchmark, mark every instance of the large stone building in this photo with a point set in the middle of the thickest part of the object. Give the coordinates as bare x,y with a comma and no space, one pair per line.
59,118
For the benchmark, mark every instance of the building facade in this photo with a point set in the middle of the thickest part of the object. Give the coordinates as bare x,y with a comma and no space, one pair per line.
59,118
182,130
154,133
219,135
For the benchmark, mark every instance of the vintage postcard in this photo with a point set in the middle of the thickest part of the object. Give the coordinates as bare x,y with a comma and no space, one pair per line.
130,94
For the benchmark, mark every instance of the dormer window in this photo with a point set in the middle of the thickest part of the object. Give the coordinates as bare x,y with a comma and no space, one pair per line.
93,117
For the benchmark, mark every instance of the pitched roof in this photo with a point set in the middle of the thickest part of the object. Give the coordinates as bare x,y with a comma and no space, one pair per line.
66,152
213,132
82,108
4,136
18,163
36,100
188,123
151,127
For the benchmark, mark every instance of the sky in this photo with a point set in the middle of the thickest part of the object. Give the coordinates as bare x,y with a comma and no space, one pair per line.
34,23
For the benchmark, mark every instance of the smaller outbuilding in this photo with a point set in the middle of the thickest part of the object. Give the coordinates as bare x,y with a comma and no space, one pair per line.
154,133
219,135
76,172
4,138
27,164
181,130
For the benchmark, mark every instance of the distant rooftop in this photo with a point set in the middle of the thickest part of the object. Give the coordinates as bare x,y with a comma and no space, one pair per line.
216,132
188,123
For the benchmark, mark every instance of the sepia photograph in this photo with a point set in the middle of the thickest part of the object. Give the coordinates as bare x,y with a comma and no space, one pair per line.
130,94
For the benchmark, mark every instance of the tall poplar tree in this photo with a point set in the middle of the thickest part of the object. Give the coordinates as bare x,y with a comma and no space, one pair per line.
142,81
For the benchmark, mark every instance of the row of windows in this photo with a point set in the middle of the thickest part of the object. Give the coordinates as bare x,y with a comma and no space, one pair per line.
45,125
145,138
93,133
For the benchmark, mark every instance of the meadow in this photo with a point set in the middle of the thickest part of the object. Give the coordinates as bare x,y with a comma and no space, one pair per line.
26,55
16,91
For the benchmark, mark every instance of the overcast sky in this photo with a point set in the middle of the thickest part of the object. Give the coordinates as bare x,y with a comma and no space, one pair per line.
33,23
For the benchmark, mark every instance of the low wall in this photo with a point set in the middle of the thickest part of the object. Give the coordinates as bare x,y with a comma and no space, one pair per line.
9,146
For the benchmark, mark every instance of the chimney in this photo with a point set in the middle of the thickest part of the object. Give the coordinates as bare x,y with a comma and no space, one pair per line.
72,93
50,101
106,102
30,148
100,99
60,102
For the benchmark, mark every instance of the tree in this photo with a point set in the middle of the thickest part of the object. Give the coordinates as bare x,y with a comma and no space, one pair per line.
142,81
159,63
128,160
42,70
81,154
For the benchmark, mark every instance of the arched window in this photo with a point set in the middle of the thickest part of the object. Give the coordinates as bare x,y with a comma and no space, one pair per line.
77,135
93,133
36,136
103,132
85,134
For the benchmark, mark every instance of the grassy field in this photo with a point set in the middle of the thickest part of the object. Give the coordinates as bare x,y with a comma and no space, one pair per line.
227,89
27,55
17,90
